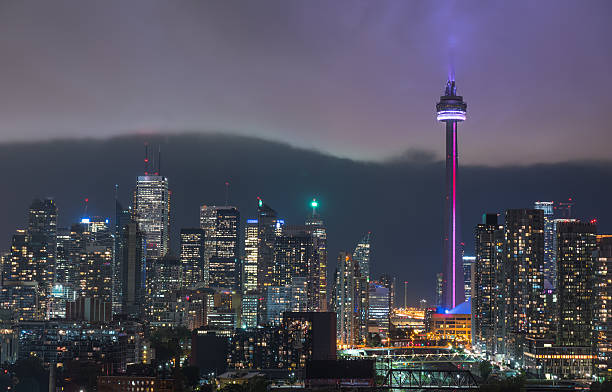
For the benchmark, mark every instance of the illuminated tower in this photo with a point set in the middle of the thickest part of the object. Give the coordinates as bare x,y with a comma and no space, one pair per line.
221,225
550,231
152,210
451,109
316,227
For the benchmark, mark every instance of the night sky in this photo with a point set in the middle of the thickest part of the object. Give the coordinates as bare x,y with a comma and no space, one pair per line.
292,100
355,79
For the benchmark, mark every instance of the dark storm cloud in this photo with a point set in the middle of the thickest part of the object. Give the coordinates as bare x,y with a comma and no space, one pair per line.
399,201
354,78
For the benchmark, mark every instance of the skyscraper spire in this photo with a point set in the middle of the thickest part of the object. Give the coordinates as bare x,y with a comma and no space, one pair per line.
158,171
146,159
314,204
227,184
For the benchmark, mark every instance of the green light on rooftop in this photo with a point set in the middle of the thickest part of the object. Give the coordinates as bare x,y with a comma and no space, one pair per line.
260,202
314,203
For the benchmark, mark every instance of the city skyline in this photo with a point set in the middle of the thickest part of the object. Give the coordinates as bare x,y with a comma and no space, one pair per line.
319,221
292,195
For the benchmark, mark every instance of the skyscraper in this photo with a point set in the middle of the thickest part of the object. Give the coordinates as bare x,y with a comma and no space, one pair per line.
221,225
389,282
378,307
523,279
603,296
451,110
152,212
19,266
468,273
133,290
267,227
96,260
293,256
489,240
576,280
42,231
549,240
316,228
362,255
123,216
249,271
192,256
64,267
351,301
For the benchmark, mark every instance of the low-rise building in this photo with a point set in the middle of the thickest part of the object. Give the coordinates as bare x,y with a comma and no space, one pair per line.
453,325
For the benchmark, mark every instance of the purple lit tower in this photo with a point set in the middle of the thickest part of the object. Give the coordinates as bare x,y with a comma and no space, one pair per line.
451,110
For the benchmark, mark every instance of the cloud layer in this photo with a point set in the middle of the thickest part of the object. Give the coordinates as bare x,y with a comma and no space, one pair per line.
351,78
400,201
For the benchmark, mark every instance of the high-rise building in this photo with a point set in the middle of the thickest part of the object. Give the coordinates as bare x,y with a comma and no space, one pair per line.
362,255
439,289
123,216
576,281
549,241
42,231
64,266
221,225
133,273
489,240
563,209
249,309
95,261
268,226
378,308
223,273
523,279
249,270
293,257
389,282
555,248
316,227
20,288
451,110
351,301
603,297
20,265
164,280
21,297
192,256
468,273
152,212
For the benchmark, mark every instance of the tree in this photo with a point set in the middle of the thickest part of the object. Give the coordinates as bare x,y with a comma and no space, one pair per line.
485,369
168,343
31,375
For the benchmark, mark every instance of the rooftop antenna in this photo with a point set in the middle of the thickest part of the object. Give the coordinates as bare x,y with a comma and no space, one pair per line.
158,161
227,184
146,159
405,294
85,208
314,204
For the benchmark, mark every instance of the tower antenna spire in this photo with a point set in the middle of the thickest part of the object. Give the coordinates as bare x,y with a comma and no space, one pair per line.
146,159
85,208
227,184
158,171
314,204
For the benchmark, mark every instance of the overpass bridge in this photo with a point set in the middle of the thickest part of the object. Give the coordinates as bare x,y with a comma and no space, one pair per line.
426,368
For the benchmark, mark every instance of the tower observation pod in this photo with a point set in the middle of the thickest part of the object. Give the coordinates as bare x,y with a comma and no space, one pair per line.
451,110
